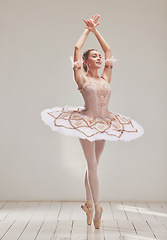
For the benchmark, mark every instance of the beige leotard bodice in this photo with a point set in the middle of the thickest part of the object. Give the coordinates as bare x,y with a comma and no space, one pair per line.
96,95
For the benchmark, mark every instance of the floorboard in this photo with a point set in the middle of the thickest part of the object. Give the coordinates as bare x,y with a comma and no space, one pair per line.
53,220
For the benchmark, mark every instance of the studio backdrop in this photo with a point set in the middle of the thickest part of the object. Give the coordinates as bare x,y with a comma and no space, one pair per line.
37,38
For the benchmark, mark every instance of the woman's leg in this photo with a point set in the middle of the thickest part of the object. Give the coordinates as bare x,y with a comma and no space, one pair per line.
87,187
92,180
99,146
92,152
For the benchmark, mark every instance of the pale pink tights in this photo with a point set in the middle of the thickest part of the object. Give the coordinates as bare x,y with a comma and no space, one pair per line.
92,152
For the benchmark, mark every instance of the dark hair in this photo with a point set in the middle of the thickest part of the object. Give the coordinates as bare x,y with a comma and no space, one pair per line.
85,57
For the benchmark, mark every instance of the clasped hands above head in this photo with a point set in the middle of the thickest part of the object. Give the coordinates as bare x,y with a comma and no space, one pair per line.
92,23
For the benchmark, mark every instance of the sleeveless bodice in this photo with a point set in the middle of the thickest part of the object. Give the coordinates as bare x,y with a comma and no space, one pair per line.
93,121
96,95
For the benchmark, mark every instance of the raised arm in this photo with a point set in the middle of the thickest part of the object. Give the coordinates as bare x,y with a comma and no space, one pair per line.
107,71
105,47
79,75
79,44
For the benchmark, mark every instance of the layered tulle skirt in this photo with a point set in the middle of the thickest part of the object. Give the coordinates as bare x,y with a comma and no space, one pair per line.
70,121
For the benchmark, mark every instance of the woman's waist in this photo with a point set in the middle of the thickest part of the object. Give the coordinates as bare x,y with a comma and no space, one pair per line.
95,113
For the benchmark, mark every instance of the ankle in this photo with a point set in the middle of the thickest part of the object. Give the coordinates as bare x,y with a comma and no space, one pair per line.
97,206
89,203
97,203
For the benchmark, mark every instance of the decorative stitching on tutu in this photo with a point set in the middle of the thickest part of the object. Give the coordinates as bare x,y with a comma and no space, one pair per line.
91,126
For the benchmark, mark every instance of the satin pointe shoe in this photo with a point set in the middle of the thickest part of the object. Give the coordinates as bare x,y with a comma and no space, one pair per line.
99,209
87,207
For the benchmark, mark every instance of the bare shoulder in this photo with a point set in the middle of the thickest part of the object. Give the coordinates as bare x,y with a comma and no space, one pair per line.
105,77
107,71
79,75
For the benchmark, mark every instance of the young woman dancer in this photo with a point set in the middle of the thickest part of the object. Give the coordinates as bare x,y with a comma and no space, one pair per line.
93,123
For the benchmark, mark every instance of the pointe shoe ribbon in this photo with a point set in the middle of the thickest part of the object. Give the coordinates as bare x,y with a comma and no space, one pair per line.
87,210
97,223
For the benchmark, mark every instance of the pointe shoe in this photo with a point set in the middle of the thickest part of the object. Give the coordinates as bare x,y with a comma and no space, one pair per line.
98,208
87,210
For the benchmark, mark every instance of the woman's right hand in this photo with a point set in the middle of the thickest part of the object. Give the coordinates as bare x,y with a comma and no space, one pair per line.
92,23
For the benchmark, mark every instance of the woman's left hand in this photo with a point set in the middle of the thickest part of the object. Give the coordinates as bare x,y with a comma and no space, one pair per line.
92,23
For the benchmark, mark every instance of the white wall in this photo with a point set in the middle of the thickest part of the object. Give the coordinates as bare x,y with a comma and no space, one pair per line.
36,40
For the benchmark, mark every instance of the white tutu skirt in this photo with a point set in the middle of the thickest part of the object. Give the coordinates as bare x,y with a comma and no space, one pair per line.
69,121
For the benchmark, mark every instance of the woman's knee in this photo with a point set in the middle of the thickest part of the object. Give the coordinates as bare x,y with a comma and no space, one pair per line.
92,165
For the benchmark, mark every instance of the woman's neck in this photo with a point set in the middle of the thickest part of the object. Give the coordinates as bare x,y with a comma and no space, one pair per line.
92,73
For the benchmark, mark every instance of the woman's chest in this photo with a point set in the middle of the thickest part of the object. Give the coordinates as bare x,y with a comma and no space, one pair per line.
99,92
97,85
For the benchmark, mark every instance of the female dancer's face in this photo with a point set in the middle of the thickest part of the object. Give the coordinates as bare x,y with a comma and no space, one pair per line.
94,59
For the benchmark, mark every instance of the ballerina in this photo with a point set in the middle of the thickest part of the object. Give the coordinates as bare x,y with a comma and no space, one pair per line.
93,124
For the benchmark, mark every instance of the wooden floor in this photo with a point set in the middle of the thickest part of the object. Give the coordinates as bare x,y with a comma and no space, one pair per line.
66,220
